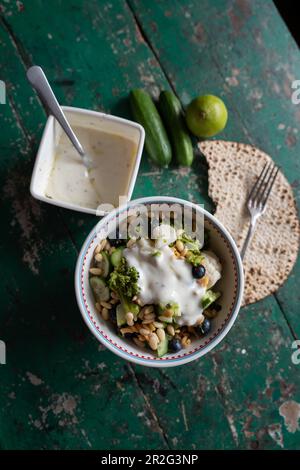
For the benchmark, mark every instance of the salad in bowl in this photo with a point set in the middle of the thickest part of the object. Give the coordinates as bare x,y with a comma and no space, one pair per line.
159,293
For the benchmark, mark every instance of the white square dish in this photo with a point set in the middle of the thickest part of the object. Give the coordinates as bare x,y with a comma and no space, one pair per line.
80,117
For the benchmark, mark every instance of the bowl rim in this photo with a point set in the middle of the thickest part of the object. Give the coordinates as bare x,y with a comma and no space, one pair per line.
169,361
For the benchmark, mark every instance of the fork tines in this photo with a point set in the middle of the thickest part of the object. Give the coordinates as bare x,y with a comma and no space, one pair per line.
263,186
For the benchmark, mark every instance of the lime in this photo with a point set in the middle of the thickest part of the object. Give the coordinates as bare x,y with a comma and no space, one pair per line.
206,116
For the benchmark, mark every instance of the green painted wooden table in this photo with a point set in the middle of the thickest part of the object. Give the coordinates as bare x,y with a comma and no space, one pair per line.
59,388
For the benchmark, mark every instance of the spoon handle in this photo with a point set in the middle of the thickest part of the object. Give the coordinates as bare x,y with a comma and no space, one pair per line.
38,80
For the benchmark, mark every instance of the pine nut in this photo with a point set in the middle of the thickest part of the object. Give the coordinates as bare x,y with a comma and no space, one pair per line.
149,309
204,281
129,318
200,320
170,330
157,324
96,271
131,242
184,252
185,341
161,334
134,298
179,246
154,335
107,245
147,322
114,295
139,343
144,332
153,341
98,257
142,338
141,315
102,244
97,250
114,301
105,314
149,316
106,305
98,307
168,313
128,329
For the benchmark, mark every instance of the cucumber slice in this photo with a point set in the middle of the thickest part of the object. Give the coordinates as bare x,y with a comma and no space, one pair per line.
209,298
121,318
99,288
162,348
116,256
104,264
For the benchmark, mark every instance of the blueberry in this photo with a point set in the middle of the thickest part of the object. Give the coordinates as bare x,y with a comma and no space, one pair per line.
113,315
205,327
198,271
175,345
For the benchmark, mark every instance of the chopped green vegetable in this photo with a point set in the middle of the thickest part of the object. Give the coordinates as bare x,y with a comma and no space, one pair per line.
116,256
129,306
169,306
121,315
123,280
162,348
209,297
104,264
99,288
190,243
194,257
156,253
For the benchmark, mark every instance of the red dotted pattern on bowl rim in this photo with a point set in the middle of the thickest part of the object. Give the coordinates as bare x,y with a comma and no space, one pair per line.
178,356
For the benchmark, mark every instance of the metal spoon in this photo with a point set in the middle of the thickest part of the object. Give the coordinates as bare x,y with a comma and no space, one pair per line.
38,80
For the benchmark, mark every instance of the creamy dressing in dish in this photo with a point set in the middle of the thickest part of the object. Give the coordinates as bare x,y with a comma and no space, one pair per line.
112,158
164,278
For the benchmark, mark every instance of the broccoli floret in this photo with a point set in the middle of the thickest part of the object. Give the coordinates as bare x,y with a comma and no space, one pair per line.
123,280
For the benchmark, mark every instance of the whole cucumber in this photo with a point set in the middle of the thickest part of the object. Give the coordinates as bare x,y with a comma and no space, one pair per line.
156,142
172,114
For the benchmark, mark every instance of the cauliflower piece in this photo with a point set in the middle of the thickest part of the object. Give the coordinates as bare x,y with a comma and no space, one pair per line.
212,266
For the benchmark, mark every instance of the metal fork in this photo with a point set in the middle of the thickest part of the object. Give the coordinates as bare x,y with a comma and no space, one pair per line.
257,199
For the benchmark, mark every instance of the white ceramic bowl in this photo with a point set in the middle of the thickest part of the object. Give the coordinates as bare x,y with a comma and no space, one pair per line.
81,117
231,285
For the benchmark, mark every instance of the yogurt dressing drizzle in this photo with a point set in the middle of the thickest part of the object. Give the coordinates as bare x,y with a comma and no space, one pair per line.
164,278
